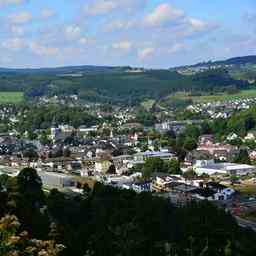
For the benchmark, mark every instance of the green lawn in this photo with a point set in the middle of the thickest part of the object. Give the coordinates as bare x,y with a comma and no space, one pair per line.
148,104
218,97
246,190
11,97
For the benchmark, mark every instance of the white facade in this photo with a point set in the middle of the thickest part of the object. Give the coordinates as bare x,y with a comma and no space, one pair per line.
210,167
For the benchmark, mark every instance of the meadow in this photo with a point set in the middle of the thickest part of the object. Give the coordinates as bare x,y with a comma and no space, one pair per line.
218,97
11,97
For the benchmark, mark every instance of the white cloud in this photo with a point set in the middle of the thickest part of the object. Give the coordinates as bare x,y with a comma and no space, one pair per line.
20,18
14,44
123,45
16,30
6,60
145,53
99,7
72,32
47,13
176,48
196,24
162,15
119,25
7,2
84,40
43,51
165,16
124,32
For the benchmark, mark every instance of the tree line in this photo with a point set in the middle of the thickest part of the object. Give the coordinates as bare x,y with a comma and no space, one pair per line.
107,221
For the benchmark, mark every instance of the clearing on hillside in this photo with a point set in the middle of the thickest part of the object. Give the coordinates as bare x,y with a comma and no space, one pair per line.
11,97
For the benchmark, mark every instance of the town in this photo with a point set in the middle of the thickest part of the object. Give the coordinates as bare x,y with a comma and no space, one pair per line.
127,128
180,160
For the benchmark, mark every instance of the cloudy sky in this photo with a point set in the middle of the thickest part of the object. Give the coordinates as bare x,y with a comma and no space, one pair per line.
149,33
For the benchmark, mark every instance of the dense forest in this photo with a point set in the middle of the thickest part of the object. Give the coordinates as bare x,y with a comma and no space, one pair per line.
117,85
108,221
43,117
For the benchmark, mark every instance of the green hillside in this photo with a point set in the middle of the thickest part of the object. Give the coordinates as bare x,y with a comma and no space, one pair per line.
122,86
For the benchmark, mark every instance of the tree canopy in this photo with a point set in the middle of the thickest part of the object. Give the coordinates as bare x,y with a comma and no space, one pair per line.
104,220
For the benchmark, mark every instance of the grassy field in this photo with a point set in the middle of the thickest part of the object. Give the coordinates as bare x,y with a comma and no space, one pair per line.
148,104
218,97
11,97
246,190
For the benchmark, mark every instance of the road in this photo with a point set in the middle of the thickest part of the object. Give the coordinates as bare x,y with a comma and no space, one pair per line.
246,223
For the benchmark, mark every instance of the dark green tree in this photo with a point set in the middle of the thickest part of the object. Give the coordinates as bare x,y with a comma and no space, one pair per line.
30,186
189,174
173,167
190,144
242,157
154,164
26,199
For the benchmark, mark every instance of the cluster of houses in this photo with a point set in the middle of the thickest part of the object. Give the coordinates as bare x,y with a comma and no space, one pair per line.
174,187
189,70
176,126
221,109
110,160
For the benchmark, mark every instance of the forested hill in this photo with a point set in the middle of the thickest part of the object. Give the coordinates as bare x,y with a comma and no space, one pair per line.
236,61
116,84
239,60
92,69
64,70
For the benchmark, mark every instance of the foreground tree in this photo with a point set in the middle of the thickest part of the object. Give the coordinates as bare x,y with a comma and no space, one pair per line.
26,199
13,243
26,189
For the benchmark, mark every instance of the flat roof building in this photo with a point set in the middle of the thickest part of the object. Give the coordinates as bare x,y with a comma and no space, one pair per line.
55,180
211,168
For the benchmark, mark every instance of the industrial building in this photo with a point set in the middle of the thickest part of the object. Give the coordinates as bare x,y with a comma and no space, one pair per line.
56,180
211,168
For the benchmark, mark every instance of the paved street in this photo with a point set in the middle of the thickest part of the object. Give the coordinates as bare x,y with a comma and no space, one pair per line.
246,223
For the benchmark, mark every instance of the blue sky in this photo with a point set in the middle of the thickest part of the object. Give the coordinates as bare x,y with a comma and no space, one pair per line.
149,33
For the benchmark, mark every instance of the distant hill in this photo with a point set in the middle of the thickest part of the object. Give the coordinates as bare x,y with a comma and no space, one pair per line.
239,60
65,70
116,69
115,86
244,60
126,84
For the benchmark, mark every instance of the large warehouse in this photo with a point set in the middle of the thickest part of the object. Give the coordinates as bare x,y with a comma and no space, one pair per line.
210,167
55,180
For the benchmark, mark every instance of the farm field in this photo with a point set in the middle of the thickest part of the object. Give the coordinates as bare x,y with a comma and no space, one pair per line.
11,97
148,104
218,97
